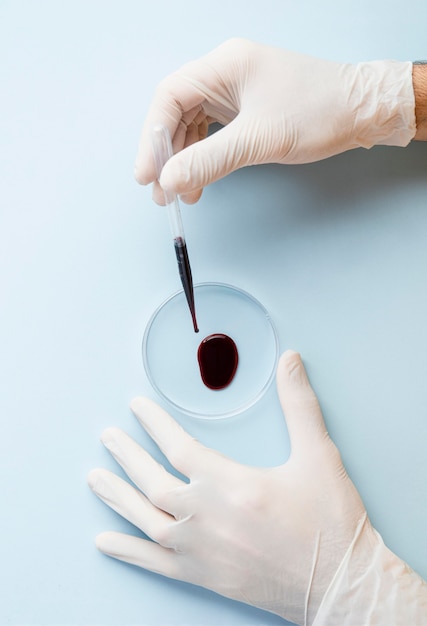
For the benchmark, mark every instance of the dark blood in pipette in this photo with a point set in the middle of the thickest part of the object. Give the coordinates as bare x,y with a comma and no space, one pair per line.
185,275
218,359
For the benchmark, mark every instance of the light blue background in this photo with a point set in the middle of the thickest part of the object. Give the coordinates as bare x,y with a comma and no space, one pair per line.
86,257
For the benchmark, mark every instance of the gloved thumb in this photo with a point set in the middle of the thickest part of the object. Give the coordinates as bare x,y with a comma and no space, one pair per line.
299,403
207,160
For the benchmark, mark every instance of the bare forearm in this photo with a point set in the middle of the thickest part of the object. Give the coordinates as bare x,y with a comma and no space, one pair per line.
419,81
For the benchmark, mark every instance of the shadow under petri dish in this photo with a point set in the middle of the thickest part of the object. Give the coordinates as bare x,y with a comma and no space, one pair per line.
170,348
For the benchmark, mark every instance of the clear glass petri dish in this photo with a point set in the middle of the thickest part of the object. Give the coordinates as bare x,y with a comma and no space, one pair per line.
170,345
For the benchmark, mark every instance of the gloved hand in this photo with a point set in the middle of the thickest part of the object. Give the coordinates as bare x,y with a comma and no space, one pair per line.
294,540
277,107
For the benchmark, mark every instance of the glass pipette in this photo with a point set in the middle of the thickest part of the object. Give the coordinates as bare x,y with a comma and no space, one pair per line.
162,151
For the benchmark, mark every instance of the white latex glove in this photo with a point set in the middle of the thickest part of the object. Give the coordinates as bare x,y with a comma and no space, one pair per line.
293,539
277,107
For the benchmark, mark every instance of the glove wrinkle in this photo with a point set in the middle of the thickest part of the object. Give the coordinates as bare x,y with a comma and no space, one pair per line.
310,582
373,587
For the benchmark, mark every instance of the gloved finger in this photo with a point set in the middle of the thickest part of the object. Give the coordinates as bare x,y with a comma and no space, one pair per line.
162,488
137,551
205,162
175,102
299,403
185,453
198,131
189,198
192,197
196,85
158,195
131,504
195,130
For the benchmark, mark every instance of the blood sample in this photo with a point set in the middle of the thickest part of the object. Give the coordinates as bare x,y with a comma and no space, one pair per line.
218,359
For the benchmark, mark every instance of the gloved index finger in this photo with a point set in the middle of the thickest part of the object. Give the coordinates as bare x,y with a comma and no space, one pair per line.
182,450
175,104
146,473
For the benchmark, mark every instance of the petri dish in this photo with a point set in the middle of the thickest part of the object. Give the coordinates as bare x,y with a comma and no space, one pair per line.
170,347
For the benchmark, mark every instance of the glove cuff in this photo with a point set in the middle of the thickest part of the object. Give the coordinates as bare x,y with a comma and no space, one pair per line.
372,586
385,111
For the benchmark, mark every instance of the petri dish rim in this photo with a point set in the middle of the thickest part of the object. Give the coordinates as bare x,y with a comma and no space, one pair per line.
244,405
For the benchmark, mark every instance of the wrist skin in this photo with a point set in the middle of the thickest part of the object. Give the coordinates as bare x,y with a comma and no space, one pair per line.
419,82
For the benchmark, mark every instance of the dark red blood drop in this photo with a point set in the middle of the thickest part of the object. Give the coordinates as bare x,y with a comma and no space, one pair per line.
218,359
